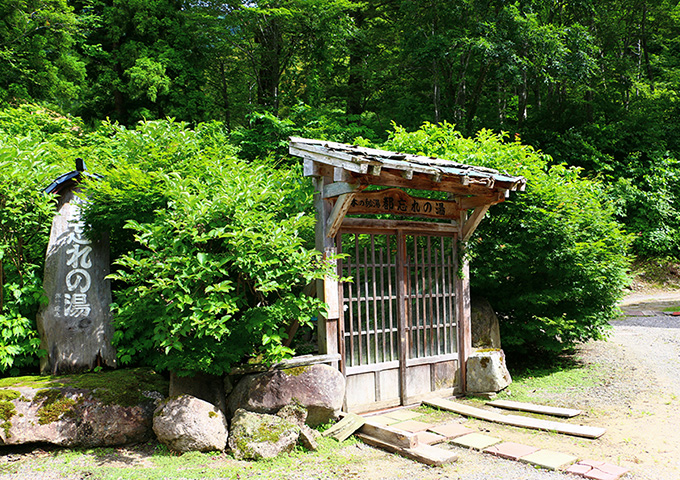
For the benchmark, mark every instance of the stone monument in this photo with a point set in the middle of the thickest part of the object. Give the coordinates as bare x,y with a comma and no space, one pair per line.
75,326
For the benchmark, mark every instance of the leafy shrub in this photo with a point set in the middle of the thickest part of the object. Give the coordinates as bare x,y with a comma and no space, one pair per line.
25,219
215,252
551,260
218,275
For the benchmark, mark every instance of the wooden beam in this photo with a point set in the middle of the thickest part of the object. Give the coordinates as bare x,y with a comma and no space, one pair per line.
533,408
347,164
471,224
463,318
393,436
392,178
370,224
345,428
327,327
407,174
338,213
467,203
342,175
336,189
516,420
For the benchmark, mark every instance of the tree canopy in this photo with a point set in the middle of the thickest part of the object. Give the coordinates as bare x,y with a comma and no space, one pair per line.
158,94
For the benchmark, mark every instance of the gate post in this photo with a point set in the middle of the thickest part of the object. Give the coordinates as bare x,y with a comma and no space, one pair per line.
326,289
463,315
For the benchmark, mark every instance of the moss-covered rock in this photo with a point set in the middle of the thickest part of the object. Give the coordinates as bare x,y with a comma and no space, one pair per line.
96,409
254,436
318,388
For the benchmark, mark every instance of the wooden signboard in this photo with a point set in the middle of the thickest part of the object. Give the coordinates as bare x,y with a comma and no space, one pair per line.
396,201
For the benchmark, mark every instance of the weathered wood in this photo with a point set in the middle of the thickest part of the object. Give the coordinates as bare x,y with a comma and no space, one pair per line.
467,203
327,327
402,314
331,294
398,202
338,213
533,408
463,318
336,189
471,224
347,164
516,420
427,454
422,181
366,225
342,175
393,436
345,428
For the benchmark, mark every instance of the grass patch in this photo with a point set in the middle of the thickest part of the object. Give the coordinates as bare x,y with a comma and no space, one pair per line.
538,384
155,462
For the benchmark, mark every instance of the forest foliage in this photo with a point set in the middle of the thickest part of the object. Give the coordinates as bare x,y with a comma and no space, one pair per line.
580,97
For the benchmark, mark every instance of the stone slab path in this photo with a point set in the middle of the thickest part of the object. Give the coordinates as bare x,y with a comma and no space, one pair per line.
460,436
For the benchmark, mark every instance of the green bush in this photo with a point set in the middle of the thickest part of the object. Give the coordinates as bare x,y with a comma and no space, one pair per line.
217,249
25,219
218,275
551,260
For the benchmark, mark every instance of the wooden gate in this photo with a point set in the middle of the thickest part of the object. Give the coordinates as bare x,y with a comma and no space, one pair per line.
398,332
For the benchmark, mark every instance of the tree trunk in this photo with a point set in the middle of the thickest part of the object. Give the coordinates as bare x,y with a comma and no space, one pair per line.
225,96
356,82
270,39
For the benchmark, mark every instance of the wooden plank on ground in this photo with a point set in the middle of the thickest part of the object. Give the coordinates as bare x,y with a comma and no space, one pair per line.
533,408
345,428
516,420
393,436
426,454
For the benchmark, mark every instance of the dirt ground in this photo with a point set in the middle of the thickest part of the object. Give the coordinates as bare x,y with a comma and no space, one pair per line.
636,398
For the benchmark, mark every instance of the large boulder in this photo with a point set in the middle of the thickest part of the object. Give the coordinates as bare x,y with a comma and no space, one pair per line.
254,436
187,423
93,410
487,372
486,331
318,388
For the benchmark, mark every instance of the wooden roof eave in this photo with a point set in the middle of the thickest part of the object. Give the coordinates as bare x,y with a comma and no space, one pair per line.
395,173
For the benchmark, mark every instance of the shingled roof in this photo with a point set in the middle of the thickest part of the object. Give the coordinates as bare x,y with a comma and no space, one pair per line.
367,165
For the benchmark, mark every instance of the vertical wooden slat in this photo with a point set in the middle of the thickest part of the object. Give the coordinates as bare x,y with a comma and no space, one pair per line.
437,300
423,294
446,315
416,301
390,294
401,313
429,276
341,304
367,308
453,271
358,303
350,310
382,305
375,301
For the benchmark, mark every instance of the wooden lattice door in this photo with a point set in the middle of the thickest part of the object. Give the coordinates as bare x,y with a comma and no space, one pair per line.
398,331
